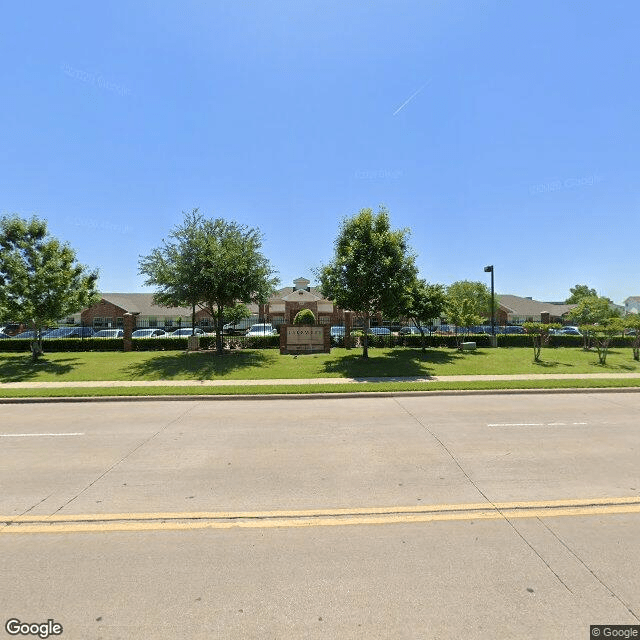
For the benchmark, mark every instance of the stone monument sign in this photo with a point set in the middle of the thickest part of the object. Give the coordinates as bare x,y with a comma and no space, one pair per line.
299,338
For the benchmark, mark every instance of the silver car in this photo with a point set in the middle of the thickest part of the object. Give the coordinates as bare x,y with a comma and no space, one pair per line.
263,329
109,333
148,333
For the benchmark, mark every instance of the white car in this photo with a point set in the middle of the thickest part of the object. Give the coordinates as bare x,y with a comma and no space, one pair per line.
262,329
185,332
109,333
148,333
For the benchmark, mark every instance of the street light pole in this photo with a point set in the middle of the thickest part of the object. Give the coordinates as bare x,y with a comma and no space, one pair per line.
489,269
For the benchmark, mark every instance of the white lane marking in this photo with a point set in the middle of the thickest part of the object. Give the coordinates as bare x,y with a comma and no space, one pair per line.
535,424
37,435
516,424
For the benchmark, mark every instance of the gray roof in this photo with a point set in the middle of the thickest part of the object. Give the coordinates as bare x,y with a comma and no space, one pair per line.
281,293
527,307
142,303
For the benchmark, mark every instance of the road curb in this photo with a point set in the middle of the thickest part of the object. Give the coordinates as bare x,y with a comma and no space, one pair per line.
318,396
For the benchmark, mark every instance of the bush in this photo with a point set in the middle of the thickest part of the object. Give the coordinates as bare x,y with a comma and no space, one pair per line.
305,316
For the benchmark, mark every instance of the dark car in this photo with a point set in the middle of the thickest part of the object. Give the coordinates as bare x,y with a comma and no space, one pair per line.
412,331
514,329
379,331
30,335
70,332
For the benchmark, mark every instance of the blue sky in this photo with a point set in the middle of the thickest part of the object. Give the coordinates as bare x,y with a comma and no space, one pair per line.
499,131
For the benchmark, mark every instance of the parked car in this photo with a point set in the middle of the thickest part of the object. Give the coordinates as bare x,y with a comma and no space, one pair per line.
379,331
514,329
4,335
411,330
185,332
109,333
569,331
70,332
337,331
232,329
30,335
12,329
262,329
148,333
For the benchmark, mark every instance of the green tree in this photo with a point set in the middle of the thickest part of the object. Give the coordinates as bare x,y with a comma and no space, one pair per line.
371,268
422,303
467,303
40,279
591,310
539,333
304,316
217,264
578,292
602,334
632,322
236,314
176,268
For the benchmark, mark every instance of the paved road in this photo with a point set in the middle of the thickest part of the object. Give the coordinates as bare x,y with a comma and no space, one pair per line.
336,518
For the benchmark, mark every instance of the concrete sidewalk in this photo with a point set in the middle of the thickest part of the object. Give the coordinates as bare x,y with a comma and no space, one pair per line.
311,381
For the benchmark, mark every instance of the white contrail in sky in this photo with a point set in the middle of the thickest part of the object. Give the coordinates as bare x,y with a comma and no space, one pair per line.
410,98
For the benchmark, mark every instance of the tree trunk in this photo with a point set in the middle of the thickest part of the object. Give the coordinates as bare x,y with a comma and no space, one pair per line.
36,346
193,319
365,338
423,341
537,347
219,325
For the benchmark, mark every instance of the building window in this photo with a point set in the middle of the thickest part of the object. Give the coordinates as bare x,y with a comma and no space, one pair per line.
102,323
324,319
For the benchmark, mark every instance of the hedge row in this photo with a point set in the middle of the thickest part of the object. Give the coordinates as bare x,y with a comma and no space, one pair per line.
273,342
140,344
481,340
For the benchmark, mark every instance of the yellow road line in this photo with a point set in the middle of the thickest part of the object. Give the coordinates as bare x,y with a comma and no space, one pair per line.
188,515
315,518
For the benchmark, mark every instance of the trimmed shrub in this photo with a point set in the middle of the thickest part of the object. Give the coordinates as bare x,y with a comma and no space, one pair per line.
305,316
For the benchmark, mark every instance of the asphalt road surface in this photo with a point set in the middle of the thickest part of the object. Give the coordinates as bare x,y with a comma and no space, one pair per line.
495,516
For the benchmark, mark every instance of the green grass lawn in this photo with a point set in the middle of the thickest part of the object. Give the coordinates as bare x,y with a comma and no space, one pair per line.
353,387
269,364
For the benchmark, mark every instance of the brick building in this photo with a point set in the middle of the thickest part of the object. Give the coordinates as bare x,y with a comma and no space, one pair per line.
283,306
280,309
109,312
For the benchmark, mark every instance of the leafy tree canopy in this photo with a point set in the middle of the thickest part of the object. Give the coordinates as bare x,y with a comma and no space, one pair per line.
578,292
467,303
40,279
212,263
422,303
371,268
539,333
175,269
592,310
